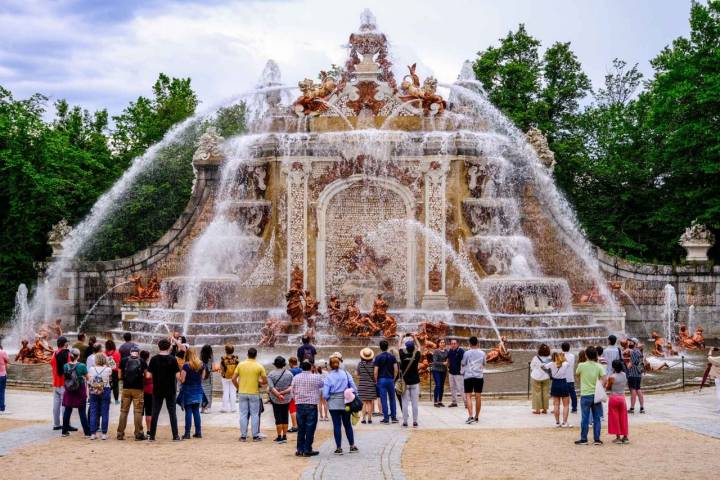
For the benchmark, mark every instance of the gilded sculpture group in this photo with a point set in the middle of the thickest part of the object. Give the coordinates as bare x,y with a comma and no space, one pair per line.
665,348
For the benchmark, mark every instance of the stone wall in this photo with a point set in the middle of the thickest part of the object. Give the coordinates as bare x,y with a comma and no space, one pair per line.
696,284
87,282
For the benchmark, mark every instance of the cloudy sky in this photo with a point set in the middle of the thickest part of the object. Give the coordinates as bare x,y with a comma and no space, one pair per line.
104,53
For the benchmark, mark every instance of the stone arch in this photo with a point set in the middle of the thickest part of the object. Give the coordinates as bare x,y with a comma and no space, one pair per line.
325,201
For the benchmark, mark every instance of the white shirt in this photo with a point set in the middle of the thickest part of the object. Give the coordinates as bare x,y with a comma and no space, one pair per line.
536,370
90,362
611,353
570,359
103,372
559,372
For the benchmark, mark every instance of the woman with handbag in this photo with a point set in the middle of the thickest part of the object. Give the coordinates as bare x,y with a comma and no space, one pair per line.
334,386
366,383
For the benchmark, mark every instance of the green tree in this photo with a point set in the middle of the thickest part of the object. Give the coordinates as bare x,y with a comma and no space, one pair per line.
511,75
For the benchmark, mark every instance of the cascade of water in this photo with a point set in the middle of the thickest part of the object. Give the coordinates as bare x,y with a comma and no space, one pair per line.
81,326
41,307
531,168
691,319
467,272
670,309
24,329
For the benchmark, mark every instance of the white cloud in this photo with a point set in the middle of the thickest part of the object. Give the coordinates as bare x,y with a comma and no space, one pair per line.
223,47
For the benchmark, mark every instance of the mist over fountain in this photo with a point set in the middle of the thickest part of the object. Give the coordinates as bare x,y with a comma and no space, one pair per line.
362,185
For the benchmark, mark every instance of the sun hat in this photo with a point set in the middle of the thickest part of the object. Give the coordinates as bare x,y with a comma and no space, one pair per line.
279,361
336,354
367,353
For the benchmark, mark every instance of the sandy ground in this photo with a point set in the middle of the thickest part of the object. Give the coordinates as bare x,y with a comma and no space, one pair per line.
8,423
218,455
668,451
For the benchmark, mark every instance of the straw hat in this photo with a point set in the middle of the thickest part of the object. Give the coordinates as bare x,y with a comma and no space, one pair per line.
336,354
367,353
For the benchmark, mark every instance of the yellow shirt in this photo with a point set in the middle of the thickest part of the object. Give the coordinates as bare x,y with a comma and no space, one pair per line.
249,373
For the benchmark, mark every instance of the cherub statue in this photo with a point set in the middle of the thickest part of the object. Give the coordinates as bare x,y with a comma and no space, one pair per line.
500,353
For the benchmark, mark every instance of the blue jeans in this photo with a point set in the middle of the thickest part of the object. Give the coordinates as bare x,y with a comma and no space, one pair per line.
249,410
99,407
439,380
386,389
573,396
341,418
3,385
588,406
192,413
307,419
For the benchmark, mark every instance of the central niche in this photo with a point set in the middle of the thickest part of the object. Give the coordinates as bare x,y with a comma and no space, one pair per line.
361,259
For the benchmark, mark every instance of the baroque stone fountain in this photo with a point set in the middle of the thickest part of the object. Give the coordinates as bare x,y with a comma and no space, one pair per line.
363,186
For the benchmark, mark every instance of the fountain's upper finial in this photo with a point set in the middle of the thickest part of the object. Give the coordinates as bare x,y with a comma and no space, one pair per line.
466,71
270,75
368,23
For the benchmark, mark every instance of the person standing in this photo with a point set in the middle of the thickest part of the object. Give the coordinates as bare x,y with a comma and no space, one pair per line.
611,353
306,388
617,408
94,349
366,383
714,373
127,346
89,349
113,357
540,380
206,357
75,393
306,351
99,383
385,372
570,379
132,373
473,368
439,372
164,369
4,360
334,387
248,377
558,388
409,361
280,393
57,362
227,367
147,392
634,375
191,377
80,345
295,370
454,360
589,372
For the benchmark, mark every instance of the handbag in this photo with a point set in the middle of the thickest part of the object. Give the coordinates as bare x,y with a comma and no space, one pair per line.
400,382
356,404
600,394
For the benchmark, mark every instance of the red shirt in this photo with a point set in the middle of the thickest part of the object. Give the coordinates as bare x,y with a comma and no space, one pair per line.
58,379
116,356
148,385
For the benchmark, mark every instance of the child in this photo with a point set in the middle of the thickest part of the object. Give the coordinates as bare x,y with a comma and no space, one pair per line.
227,367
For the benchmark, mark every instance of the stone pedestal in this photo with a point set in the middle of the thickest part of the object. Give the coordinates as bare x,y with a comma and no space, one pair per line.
435,301
696,251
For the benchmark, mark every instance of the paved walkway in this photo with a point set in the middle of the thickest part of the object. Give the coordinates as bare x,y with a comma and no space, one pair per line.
379,457
381,445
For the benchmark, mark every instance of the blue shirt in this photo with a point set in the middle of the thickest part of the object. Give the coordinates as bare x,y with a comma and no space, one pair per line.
454,358
385,363
295,371
336,382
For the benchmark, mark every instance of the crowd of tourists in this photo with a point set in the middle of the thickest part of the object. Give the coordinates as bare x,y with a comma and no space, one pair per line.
302,392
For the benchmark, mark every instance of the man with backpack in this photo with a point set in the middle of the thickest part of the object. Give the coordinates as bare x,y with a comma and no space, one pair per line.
132,373
306,351
60,357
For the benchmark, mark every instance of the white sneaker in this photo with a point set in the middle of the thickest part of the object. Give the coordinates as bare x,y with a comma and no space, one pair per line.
557,425
262,435
566,425
93,436
103,436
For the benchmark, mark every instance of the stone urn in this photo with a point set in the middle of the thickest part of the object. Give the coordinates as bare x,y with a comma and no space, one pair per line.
697,240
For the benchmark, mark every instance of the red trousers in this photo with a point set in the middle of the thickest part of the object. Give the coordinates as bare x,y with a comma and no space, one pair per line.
617,415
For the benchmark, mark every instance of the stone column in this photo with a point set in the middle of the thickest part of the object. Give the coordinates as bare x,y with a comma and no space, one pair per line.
435,297
297,198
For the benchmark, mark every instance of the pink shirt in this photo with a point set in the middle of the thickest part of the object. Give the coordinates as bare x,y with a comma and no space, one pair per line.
4,360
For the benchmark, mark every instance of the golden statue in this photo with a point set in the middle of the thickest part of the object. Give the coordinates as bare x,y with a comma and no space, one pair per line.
435,279
658,345
335,312
144,293
500,353
270,331
426,96
311,305
314,95
295,308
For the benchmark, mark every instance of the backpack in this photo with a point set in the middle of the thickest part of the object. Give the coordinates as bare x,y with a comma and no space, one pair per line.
72,380
97,384
229,364
133,371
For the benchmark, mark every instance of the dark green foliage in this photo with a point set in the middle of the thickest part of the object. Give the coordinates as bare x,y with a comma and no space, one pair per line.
638,169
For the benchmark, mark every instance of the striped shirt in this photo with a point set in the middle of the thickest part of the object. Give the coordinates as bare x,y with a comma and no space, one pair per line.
306,388
636,363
